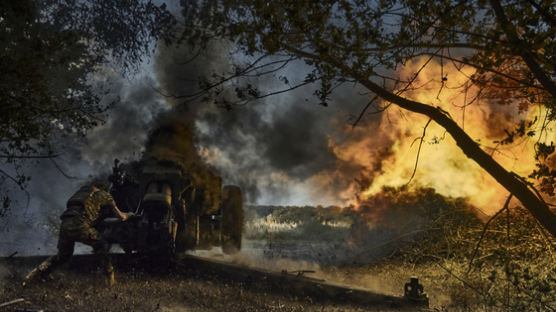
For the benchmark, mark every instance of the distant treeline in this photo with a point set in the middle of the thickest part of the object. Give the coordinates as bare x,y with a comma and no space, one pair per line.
303,214
394,221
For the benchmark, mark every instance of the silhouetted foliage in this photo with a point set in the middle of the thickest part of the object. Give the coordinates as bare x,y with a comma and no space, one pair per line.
49,53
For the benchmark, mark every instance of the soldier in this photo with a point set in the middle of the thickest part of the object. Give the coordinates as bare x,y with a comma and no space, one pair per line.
85,209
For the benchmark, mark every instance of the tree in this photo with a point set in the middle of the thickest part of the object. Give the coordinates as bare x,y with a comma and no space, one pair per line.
510,44
48,51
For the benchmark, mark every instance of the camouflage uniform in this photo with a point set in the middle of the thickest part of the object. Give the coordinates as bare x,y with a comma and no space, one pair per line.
85,209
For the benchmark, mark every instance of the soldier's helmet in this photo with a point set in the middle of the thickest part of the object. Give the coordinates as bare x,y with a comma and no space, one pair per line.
101,184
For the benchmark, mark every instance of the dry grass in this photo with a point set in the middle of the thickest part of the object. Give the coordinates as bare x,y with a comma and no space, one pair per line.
508,266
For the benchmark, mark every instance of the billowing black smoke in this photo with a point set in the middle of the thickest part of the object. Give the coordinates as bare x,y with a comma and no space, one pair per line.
277,148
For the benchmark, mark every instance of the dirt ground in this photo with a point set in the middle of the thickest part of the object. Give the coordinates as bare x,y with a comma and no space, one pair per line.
81,287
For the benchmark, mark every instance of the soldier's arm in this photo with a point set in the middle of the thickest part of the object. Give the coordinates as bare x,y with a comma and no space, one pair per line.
109,201
120,214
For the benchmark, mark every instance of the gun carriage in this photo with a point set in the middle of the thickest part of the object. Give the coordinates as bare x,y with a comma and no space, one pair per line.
173,213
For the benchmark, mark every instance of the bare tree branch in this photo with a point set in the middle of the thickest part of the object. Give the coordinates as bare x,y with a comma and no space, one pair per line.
489,69
419,152
521,49
10,177
362,113
62,171
29,156
213,85
548,18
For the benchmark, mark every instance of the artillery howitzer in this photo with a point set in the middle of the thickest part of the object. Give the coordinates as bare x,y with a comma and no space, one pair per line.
173,213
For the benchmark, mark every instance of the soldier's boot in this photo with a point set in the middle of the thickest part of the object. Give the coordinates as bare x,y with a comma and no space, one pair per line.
111,280
42,270
109,271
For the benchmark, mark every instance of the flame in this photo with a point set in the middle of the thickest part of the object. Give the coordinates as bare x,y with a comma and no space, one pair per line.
388,150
